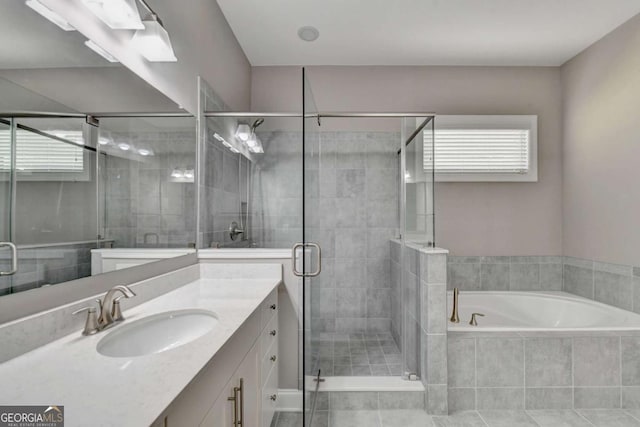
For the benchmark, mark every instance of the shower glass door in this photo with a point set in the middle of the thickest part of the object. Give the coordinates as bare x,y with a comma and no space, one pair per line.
6,182
310,256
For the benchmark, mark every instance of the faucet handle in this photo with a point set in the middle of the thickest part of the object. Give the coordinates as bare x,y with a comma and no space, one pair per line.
473,321
91,324
116,311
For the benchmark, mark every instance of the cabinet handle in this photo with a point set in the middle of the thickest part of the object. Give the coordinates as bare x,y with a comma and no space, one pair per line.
273,333
273,397
273,307
234,399
273,358
238,404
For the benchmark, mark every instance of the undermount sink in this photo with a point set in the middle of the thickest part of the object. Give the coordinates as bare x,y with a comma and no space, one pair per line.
157,333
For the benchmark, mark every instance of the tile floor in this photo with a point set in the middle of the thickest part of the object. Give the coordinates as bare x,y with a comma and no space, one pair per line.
358,355
418,418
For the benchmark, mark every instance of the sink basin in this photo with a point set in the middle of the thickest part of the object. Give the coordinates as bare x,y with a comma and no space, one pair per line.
157,333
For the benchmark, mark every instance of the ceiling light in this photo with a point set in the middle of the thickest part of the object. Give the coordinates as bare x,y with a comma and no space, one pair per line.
124,146
49,14
144,152
177,173
100,51
188,173
243,132
117,14
103,140
218,137
308,34
153,41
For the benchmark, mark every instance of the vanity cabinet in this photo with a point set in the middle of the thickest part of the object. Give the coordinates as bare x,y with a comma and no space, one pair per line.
248,364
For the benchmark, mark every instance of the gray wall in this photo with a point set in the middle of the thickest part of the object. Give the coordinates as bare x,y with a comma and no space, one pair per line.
471,218
601,87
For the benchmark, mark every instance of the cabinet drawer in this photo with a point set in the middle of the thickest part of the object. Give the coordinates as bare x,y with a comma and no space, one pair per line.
269,390
267,336
269,307
268,364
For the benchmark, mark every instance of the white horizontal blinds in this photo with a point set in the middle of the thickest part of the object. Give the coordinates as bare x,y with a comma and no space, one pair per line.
38,153
479,150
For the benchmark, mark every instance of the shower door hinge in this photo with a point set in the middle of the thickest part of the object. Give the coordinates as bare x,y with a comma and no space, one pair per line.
91,120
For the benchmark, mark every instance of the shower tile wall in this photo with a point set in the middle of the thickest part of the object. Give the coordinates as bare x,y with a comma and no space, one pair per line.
351,188
46,266
141,199
224,190
352,211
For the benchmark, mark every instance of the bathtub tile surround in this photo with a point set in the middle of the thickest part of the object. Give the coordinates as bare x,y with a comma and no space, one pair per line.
543,371
419,301
613,284
504,273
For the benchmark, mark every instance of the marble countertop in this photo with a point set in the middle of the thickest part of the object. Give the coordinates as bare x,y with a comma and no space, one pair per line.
99,390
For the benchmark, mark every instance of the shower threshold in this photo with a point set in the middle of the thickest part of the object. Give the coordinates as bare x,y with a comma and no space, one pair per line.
369,384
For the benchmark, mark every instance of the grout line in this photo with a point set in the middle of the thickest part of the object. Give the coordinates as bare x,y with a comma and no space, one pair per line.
631,415
620,367
482,419
583,417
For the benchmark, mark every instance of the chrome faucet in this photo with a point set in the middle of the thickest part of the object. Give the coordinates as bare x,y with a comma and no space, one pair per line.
110,306
454,315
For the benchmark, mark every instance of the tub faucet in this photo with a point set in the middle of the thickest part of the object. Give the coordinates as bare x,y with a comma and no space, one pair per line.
110,306
454,315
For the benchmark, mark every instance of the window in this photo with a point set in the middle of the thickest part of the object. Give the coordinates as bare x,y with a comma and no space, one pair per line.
483,148
44,156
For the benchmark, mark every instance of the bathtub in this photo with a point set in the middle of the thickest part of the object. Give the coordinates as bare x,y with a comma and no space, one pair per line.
537,312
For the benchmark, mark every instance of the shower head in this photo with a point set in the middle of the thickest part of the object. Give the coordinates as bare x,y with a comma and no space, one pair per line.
257,123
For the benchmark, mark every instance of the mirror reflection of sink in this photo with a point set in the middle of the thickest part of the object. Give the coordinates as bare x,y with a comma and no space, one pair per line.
157,333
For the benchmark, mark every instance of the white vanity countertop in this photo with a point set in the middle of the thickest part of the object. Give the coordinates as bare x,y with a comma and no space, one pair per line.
99,390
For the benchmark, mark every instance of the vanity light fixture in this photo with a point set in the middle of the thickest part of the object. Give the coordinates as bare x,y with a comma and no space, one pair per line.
218,137
153,40
177,173
234,150
189,173
100,51
144,152
103,140
243,132
124,146
117,14
49,14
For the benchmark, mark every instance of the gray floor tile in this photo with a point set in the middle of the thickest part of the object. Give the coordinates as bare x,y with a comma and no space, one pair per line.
459,419
289,419
320,419
635,413
405,418
559,418
354,419
507,419
609,418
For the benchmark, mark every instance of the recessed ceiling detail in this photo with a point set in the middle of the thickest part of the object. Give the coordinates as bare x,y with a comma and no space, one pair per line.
423,32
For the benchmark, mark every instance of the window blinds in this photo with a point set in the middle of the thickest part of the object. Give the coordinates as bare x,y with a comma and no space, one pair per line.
38,153
478,150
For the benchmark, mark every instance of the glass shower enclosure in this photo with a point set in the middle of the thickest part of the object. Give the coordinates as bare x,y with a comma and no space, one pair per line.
367,194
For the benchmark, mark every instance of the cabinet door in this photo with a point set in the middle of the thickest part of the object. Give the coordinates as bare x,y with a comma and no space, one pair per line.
221,413
249,372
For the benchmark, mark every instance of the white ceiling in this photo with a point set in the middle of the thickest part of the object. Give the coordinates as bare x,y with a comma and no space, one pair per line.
423,32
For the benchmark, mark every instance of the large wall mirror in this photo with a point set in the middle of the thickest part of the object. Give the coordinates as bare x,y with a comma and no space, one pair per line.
70,190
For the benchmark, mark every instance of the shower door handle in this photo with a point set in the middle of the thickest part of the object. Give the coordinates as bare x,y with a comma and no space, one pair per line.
294,259
14,259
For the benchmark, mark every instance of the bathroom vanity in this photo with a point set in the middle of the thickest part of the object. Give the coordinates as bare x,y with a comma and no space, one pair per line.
203,352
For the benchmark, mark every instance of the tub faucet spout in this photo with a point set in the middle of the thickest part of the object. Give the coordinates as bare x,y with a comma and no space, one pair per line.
454,315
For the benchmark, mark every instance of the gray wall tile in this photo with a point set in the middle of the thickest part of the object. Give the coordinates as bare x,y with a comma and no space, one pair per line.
462,399
630,347
613,289
596,397
500,362
578,280
494,276
500,398
462,362
596,361
549,398
465,276
548,362
525,276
